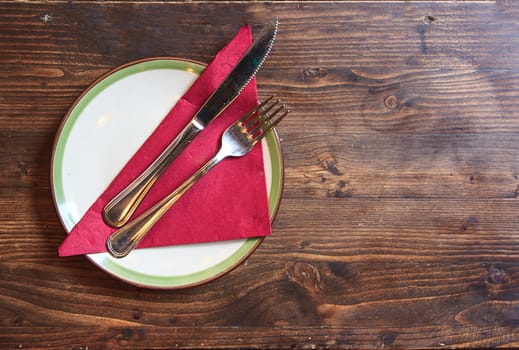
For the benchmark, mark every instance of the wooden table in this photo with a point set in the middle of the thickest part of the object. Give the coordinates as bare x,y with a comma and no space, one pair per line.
399,222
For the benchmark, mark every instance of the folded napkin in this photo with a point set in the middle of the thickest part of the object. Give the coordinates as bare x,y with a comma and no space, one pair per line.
230,202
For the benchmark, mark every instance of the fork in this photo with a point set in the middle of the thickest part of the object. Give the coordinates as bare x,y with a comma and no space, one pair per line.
237,140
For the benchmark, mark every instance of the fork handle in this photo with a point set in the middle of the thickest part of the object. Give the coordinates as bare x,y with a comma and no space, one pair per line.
123,241
119,210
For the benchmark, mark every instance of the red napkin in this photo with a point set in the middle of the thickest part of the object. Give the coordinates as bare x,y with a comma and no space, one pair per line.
230,202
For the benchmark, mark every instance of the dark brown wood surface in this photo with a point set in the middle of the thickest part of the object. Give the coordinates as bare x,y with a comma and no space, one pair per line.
399,222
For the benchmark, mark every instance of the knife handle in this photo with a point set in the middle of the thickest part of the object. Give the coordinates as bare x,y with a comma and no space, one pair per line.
119,210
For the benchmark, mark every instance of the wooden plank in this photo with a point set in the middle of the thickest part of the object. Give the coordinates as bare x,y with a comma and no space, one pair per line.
400,165
419,101
437,35
265,337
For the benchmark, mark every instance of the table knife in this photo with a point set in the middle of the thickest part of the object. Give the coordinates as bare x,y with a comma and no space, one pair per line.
119,210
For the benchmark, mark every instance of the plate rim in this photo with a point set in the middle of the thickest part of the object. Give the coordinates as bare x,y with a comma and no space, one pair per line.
255,241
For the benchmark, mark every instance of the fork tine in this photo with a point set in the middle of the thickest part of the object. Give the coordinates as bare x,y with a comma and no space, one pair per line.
273,114
276,122
259,114
262,120
260,131
271,126
264,112
255,110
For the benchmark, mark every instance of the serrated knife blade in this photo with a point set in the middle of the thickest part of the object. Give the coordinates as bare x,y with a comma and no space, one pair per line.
240,76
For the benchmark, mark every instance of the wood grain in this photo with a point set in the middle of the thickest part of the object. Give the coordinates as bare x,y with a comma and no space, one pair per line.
398,225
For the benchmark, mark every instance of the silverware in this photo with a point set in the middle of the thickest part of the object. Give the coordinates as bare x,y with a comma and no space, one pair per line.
237,140
119,210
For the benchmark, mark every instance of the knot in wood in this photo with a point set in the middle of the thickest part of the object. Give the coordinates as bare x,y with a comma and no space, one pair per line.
328,163
136,314
46,18
125,336
497,280
429,19
339,190
23,168
311,73
391,102
306,275
496,276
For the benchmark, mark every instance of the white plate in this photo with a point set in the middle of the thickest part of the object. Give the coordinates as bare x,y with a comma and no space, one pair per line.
101,132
